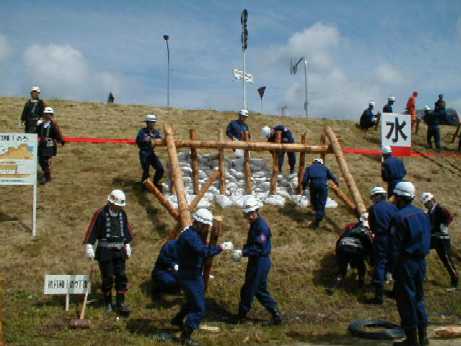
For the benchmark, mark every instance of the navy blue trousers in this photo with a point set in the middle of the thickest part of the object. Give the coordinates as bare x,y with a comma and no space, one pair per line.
381,254
291,160
148,159
193,309
165,281
433,132
318,198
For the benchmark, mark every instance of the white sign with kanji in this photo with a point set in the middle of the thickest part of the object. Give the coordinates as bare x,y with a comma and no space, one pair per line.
395,130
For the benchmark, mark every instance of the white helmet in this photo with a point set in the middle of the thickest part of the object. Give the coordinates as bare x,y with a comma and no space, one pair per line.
203,216
391,98
117,197
266,131
371,103
405,189
251,204
243,112
35,88
387,150
48,110
426,197
377,190
319,160
150,118
427,108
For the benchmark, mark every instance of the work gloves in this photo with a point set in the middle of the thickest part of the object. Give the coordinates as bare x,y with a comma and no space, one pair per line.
89,251
176,267
237,255
227,246
128,250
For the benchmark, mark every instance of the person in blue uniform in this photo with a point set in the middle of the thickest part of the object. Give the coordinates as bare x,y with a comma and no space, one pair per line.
441,218
316,177
410,244
392,170
432,120
380,214
109,227
165,273
368,119
387,108
236,128
258,250
32,111
192,253
287,138
147,156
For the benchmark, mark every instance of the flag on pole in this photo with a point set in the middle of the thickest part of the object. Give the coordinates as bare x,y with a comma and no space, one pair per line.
261,91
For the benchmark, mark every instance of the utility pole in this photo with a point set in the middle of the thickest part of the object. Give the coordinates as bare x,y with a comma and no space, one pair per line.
244,38
293,70
166,37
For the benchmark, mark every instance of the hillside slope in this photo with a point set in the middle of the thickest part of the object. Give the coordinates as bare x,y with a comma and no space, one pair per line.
303,262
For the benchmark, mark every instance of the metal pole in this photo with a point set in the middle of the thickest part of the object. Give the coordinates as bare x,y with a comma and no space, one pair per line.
243,80
166,37
306,103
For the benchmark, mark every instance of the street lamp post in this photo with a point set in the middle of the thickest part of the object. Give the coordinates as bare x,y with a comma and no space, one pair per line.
166,37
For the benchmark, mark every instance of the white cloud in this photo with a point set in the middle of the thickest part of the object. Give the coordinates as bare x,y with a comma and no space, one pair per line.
63,71
388,74
5,48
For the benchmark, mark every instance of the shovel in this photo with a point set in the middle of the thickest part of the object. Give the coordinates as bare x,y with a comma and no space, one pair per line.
81,322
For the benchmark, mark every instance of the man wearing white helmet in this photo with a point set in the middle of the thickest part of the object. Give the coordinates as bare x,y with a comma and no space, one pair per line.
316,177
388,106
236,128
287,137
147,156
368,119
33,110
258,249
109,228
380,215
411,239
432,120
392,170
441,218
192,253
49,135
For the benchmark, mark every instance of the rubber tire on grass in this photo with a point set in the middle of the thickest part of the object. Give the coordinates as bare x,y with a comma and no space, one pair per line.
391,331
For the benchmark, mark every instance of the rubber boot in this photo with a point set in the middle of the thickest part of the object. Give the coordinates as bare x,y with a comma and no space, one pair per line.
186,338
276,317
240,318
338,280
122,309
379,295
454,282
178,321
410,340
422,336
108,302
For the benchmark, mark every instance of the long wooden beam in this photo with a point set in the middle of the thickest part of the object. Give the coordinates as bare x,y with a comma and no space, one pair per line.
342,196
302,163
195,163
211,179
162,199
222,167
247,166
215,233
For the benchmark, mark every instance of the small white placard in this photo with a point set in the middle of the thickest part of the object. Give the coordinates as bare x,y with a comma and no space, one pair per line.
67,284
395,130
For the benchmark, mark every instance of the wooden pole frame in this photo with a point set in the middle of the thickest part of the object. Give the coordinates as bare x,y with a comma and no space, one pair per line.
302,164
211,179
247,166
195,163
222,167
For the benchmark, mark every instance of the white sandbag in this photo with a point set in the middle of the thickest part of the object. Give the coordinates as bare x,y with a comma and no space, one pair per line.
223,201
300,200
331,203
202,174
259,174
283,192
276,200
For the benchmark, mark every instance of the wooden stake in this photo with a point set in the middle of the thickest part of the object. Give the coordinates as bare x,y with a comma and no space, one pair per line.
215,233
161,198
211,179
342,196
337,150
247,166
455,134
275,164
195,163
302,163
323,141
184,213
222,168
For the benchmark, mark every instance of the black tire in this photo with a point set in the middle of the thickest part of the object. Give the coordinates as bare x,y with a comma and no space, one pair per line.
390,331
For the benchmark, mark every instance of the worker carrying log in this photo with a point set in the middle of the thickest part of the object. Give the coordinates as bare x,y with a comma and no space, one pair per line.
49,135
165,273
109,228
380,214
388,107
316,178
147,156
236,128
368,118
32,111
287,138
258,250
411,237
192,253
392,169
441,218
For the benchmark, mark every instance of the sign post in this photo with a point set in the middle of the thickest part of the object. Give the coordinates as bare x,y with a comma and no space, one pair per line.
396,132
18,164
66,285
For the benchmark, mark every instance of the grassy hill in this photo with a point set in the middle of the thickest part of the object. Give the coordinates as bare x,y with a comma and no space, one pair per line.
303,259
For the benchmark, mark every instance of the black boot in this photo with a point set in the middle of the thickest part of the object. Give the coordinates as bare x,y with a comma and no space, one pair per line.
379,295
122,309
338,280
178,321
454,282
108,302
410,340
186,338
276,317
422,335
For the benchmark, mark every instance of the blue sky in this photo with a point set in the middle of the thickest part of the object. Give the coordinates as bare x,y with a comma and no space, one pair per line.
357,50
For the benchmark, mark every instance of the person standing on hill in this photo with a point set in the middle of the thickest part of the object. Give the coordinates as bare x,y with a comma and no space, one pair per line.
411,109
147,156
410,230
388,106
432,120
49,134
287,138
316,177
392,170
441,218
33,111
236,128
440,106
109,227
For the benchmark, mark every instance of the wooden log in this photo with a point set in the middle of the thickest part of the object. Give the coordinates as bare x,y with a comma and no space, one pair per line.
275,164
162,199
247,166
252,146
222,168
342,196
216,231
170,179
195,163
323,141
175,232
184,213
211,179
337,150
455,134
302,163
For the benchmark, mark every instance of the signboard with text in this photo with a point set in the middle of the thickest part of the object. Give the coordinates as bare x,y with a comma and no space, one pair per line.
66,284
396,130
